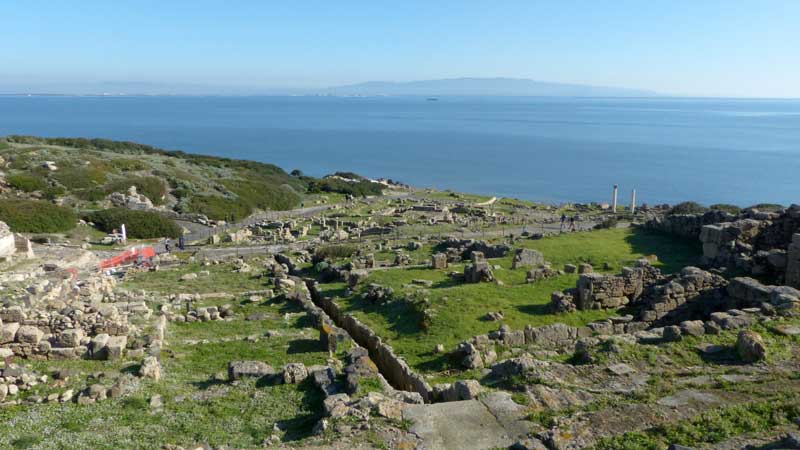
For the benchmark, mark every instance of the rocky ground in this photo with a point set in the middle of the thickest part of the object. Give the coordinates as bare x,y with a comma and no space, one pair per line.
417,320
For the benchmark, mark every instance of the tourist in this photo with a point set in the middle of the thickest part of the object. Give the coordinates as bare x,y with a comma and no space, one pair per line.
572,223
563,221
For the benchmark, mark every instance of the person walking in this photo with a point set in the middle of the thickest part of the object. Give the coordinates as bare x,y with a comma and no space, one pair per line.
563,221
572,223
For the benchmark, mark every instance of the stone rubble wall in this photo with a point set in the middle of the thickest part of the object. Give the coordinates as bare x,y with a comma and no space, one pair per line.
686,225
61,317
598,291
759,243
690,294
396,371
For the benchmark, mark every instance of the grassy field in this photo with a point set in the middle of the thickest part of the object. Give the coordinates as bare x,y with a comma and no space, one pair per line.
460,307
200,406
221,278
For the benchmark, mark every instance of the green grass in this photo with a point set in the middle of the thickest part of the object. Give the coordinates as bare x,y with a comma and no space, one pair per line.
617,247
199,405
221,279
710,427
459,307
34,216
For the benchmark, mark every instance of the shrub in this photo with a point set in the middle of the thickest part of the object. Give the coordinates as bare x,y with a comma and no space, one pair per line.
263,195
153,188
687,208
33,216
219,208
138,224
74,178
128,165
53,192
359,189
732,209
332,252
94,194
27,182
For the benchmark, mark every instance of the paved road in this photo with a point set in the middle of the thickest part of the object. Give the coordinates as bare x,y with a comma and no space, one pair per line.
198,232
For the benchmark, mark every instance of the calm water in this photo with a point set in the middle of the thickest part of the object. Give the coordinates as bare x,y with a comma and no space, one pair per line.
732,151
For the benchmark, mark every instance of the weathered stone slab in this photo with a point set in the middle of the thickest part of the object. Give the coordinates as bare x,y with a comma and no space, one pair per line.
462,425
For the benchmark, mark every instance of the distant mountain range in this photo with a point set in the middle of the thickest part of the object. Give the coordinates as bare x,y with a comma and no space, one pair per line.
486,87
429,88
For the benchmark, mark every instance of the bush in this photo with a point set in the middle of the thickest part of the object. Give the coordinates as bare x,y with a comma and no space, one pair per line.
332,252
33,216
128,165
74,178
359,189
263,195
688,208
153,188
26,182
732,209
219,208
138,224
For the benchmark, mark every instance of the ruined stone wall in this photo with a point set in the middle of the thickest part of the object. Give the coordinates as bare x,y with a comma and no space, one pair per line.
396,371
793,262
747,292
68,326
689,295
598,291
686,225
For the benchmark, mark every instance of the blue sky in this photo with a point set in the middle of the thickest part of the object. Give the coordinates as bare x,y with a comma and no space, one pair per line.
685,47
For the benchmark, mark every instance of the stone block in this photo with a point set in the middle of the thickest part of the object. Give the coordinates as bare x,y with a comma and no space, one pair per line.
115,347
8,331
28,334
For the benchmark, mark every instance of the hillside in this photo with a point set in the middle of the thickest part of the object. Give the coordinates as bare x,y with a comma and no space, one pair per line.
92,174
486,87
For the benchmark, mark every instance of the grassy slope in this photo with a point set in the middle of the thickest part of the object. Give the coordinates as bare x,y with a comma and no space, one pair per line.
198,408
90,170
460,307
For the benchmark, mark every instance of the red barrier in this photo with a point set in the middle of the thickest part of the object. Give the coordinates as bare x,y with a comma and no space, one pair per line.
129,256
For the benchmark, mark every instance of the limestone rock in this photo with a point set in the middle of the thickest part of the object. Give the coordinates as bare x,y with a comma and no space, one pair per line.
150,368
243,369
750,346
294,373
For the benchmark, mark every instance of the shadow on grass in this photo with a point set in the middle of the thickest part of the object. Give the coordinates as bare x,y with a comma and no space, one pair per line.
437,364
673,252
207,384
448,283
304,346
723,355
534,309
301,426
401,318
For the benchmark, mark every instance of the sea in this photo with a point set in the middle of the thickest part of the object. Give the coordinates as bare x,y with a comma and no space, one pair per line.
554,150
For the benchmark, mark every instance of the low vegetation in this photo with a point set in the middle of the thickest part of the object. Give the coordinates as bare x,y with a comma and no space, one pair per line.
34,216
138,224
459,309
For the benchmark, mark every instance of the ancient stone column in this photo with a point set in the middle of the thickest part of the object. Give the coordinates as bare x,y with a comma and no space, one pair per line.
614,200
633,201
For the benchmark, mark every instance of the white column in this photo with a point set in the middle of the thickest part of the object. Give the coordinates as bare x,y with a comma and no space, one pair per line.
614,199
633,201
124,234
